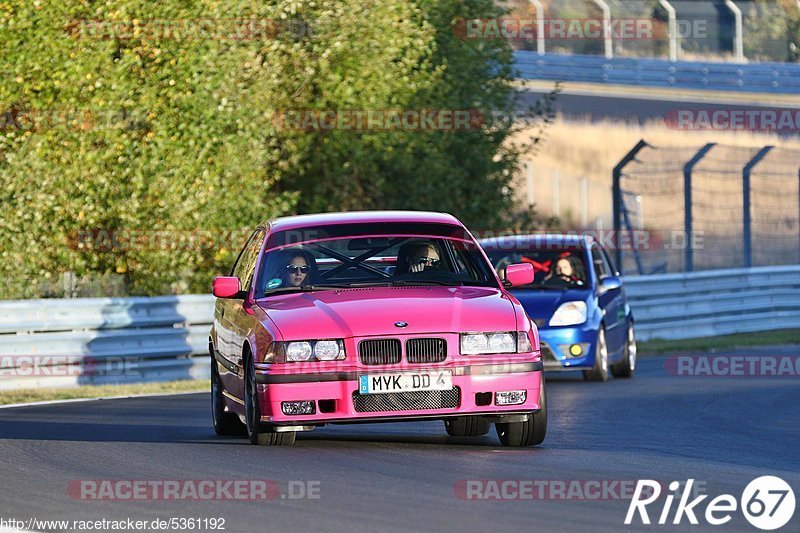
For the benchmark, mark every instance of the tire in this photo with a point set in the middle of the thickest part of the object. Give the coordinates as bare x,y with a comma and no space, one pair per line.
600,370
529,433
256,432
627,367
225,424
467,426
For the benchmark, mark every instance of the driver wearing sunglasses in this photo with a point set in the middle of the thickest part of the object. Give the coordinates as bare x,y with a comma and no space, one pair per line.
296,271
424,257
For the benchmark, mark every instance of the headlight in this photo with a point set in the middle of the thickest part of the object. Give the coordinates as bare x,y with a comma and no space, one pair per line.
322,350
488,343
327,350
298,351
569,314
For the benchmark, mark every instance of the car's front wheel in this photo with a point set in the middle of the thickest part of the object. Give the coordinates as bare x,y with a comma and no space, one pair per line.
467,426
528,433
626,367
599,372
255,431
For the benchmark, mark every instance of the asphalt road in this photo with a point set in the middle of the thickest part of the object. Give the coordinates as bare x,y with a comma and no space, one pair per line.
722,432
632,109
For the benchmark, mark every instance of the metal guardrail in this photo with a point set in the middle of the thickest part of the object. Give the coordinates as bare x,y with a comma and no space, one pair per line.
753,77
124,340
93,341
715,302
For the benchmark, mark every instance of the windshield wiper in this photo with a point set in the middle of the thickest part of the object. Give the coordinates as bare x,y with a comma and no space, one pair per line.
409,283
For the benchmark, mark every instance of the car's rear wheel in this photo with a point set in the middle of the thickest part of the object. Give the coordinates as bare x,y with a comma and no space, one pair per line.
225,423
528,433
256,432
600,370
627,367
467,426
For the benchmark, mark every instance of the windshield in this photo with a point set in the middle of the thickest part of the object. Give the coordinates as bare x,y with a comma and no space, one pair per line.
351,262
553,269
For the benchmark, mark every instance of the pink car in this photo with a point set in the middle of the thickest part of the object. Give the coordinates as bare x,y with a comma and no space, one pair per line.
373,317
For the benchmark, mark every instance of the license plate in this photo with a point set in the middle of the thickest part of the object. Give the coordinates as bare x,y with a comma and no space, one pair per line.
405,382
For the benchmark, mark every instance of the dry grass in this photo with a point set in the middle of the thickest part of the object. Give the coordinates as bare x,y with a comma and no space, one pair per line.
573,150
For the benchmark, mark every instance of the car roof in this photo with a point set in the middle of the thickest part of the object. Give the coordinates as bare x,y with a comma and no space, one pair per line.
538,239
361,217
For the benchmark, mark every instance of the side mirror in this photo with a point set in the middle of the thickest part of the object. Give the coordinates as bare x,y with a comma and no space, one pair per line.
610,283
519,274
226,287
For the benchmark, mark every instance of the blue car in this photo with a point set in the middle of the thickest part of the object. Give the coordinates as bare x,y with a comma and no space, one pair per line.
576,300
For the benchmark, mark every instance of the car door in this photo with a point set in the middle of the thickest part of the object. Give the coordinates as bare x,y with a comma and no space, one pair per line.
236,320
610,301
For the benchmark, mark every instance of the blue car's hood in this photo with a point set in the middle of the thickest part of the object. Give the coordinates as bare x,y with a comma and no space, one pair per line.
541,304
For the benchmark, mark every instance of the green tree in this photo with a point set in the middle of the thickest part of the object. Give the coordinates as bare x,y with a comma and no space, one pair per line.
114,120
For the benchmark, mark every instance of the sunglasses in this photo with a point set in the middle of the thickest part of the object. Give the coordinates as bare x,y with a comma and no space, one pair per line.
295,269
427,261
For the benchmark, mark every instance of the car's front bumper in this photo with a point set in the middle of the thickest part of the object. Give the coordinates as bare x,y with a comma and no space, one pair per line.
337,399
556,342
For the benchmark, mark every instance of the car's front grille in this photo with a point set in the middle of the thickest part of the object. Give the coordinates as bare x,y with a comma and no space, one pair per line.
547,354
379,351
426,350
407,401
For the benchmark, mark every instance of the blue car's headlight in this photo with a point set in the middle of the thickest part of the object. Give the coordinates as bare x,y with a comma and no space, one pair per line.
569,314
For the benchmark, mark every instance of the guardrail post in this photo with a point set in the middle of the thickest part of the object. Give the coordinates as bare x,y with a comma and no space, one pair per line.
747,234
673,29
616,195
687,203
607,30
540,36
738,38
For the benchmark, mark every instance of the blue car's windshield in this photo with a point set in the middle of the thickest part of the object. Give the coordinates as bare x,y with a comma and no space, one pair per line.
553,269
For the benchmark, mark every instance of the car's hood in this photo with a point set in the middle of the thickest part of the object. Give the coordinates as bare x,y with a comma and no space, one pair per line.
374,311
541,304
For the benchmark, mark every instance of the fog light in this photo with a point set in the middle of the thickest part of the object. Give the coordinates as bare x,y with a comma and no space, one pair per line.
574,350
298,408
510,397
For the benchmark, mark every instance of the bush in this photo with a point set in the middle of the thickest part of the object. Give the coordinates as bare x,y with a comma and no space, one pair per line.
127,149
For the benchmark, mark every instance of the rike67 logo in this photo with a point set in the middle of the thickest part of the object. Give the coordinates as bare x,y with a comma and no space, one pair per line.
767,503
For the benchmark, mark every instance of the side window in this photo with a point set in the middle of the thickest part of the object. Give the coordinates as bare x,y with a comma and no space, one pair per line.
601,268
246,264
612,269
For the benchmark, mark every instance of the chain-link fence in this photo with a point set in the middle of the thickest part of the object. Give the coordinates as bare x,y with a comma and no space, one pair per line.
706,207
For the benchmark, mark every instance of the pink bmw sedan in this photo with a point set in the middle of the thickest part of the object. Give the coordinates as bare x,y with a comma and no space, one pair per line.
373,317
